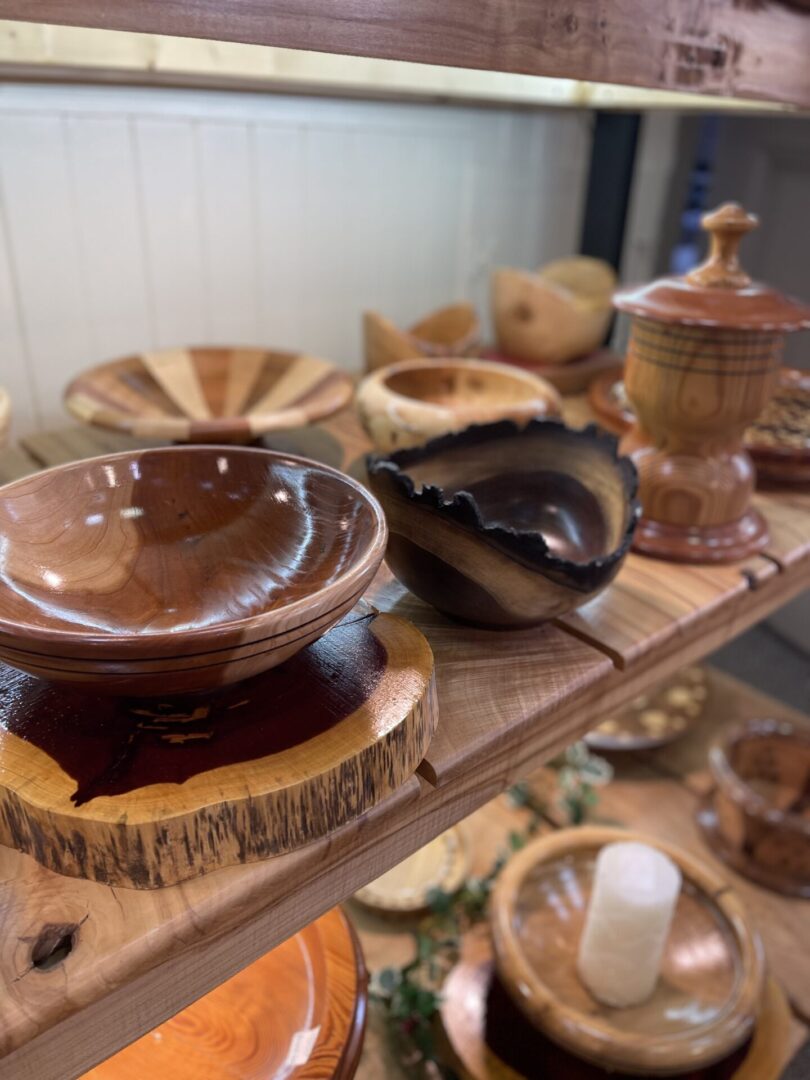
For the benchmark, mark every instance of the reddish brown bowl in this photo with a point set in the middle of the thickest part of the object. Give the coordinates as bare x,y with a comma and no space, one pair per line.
181,568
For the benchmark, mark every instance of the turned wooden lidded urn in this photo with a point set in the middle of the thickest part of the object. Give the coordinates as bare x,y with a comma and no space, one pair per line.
702,362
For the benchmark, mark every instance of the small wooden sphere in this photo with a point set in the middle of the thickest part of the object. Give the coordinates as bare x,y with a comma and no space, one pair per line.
181,568
507,526
208,394
408,403
556,315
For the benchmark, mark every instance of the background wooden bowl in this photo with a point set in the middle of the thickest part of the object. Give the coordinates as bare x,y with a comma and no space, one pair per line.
5,415
201,394
757,819
413,401
556,315
712,972
450,331
181,568
507,526
297,1013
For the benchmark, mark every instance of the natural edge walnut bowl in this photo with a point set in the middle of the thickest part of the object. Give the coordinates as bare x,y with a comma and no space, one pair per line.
208,394
712,972
408,403
507,526
180,568
757,818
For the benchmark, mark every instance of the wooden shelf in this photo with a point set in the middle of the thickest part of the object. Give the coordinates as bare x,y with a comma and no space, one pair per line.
754,51
508,701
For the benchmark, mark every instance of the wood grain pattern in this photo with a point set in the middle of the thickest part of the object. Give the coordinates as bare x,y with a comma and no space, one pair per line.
749,52
555,316
148,794
208,394
298,1013
179,569
508,702
450,331
573,377
757,818
413,401
507,526
712,970
702,362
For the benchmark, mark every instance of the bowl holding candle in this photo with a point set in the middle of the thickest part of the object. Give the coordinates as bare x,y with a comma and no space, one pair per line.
757,818
179,569
705,993
408,403
507,525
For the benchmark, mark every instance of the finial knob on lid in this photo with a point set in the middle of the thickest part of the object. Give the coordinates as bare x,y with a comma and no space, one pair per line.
726,227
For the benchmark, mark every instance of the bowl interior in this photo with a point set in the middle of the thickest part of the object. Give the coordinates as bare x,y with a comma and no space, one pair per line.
700,968
463,384
776,767
175,539
547,479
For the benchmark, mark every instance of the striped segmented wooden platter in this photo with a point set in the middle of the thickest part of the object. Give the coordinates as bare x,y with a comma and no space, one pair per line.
204,394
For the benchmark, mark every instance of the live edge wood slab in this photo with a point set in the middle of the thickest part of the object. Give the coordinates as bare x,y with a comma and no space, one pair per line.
507,702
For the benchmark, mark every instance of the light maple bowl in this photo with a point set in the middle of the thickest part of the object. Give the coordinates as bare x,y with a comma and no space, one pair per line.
712,973
407,404
179,569
506,525
205,394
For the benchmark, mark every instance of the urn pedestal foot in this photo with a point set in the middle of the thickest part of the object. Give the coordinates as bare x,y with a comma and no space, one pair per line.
702,543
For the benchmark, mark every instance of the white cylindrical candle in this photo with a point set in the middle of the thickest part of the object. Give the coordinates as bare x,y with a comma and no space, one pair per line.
634,894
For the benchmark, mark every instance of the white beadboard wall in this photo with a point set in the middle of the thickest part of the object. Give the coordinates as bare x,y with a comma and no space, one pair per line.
142,218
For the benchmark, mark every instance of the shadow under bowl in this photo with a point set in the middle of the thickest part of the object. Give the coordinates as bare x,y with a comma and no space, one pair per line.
757,818
179,569
507,526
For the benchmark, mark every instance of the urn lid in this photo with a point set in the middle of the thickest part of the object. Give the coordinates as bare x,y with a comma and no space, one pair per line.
718,293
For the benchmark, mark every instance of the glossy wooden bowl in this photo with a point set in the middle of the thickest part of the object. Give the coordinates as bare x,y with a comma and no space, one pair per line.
181,568
507,526
450,331
297,1013
213,395
409,403
556,315
5,415
707,997
757,819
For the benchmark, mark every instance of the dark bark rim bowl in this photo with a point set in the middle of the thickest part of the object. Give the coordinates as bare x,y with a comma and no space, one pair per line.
527,546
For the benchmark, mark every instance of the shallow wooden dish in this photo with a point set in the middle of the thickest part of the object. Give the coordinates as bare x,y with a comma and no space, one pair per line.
206,394
413,401
711,982
507,526
757,819
297,1013
655,718
556,315
491,1039
450,331
443,863
181,568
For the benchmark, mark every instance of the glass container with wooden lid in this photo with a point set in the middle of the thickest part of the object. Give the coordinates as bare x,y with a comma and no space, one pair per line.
702,363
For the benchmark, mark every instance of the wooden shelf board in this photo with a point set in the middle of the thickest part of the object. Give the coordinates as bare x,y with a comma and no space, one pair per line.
508,702
724,48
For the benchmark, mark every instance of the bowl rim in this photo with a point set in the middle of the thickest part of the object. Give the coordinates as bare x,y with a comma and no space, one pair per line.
563,1019
737,787
543,392
370,556
213,425
464,510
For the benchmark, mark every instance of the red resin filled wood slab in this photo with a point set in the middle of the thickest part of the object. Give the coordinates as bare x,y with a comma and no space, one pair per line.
149,792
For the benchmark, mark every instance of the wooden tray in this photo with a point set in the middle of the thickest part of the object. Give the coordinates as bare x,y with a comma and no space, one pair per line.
149,793
492,1040
656,718
297,1013
705,1002
405,889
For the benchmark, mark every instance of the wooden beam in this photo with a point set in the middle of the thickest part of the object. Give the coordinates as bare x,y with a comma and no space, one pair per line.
737,48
